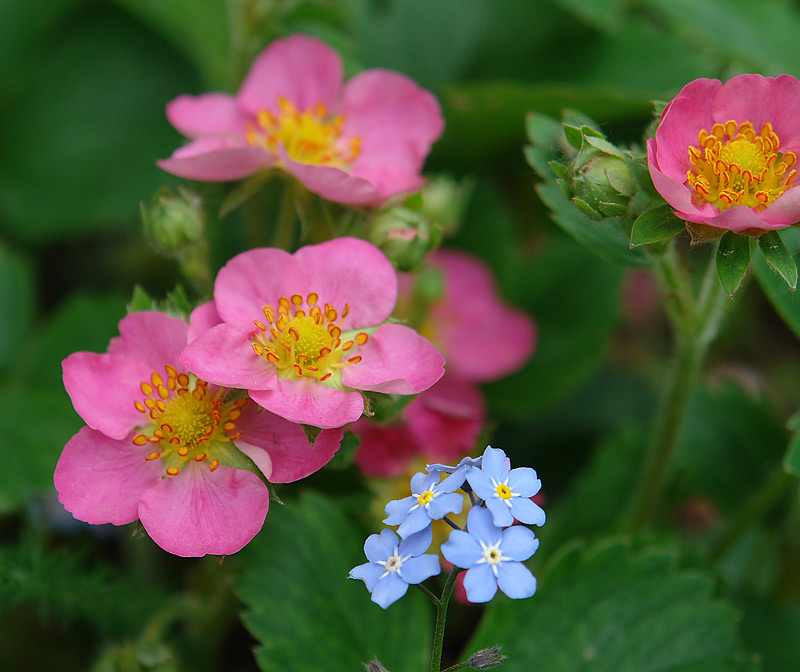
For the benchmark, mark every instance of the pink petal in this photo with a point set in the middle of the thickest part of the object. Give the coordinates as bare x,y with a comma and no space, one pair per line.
103,389
223,356
207,114
395,360
151,337
784,211
202,319
280,448
388,177
735,219
354,272
483,337
216,159
392,116
201,512
254,279
101,480
300,69
385,450
308,402
679,130
675,192
447,419
333,184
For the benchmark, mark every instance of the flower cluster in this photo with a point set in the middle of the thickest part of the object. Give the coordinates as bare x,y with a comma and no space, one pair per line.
491,548
186,422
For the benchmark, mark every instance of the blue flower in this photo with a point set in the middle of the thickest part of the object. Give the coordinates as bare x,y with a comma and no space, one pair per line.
492,557
393,566
467,463
429,500
507,492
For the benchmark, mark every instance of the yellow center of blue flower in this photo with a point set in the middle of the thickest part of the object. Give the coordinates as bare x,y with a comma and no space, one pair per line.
503,491
183,422
425,498
311,136
733,166
302,339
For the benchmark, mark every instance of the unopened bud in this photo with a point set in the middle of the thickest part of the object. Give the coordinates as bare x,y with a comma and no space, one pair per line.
404,236
174,221
605,184
486,658
444,201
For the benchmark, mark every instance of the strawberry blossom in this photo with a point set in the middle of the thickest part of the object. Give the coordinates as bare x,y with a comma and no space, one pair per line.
305,333
165,447
358,142
724,155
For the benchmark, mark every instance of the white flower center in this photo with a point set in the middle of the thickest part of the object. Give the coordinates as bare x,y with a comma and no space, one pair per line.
393,563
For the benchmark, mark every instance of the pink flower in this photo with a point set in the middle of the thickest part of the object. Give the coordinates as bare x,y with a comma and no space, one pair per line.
160,445
356,143
481,337
724,154
304,333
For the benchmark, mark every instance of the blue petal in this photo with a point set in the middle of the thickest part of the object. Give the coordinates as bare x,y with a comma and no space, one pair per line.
518,543
527,511
495,464
481,484
480,526
501,514
380,547
454,481
443,504
397,510
524,481
461,549
416,570
480,584
417,520
368,573
515,580
417,543
389,589
422,482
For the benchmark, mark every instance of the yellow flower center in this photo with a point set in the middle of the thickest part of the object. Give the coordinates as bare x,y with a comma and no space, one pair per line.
492,556
311,136
425,498
303,339
734,166
503,491
183,422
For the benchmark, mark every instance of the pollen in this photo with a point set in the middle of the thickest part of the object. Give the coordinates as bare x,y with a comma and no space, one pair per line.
732,166
311,136
425,498
184,421
304,339
503,491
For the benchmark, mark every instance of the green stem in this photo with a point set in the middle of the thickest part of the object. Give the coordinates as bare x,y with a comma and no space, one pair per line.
695,323
427,593
441,616
284,233
759,503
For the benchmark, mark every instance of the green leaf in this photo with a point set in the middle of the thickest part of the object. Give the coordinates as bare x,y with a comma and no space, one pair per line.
656,224
609,608
305,612
733,260
604,237
778,292
778,257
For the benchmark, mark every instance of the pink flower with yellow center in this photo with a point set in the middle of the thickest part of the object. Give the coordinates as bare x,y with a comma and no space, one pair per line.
724,155
304,333
165,447
356,143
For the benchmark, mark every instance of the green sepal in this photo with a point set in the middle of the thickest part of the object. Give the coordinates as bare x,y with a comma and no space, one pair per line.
733,260
778,257
611,209
702,233
586,209
602,144
244,192
574,136
559,169
311,433
230,456
655,225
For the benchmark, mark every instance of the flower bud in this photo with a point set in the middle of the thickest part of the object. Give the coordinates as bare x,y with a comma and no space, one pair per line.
605,182
486,658
174,221
404,236
444,201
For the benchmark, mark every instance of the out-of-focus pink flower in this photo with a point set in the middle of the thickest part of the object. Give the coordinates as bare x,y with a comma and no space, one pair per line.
356,143
161,445
481,337
304,333
442,424
724,154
